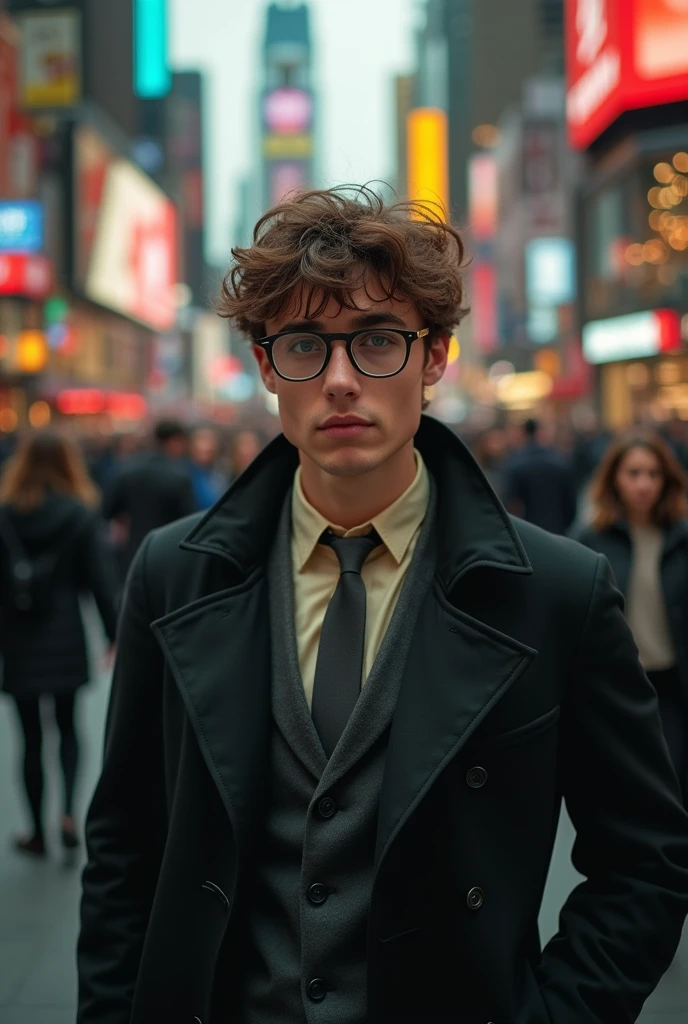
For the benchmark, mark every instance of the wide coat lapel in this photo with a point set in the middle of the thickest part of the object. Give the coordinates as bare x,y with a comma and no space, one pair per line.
218,646
456,671
223,675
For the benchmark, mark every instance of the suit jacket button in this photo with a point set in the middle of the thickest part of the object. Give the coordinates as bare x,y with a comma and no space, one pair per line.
318,893
326,807
317,990
475,898
476,777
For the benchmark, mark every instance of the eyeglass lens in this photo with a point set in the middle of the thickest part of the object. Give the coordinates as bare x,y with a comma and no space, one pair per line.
378,353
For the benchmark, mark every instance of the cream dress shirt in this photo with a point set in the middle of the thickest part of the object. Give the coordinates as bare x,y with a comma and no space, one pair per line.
316,568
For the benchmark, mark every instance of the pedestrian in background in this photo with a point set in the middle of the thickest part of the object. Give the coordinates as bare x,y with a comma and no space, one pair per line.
151,489
51,551
539,485
209,482
639,524
246,445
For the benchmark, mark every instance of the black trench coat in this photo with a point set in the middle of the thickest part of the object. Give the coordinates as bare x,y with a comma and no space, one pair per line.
522,687
615,544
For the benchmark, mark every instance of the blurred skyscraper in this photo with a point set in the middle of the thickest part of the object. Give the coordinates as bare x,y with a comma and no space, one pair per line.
286,103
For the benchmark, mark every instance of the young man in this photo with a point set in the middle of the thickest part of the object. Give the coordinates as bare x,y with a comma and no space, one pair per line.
312,814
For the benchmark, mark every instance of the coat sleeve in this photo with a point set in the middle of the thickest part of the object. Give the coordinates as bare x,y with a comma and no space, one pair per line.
620,927
126,822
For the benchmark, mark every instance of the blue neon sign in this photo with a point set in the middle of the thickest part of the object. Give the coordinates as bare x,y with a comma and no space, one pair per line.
152,77
21,225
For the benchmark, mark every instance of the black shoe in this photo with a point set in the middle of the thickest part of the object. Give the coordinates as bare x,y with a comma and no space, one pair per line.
34,846
70,839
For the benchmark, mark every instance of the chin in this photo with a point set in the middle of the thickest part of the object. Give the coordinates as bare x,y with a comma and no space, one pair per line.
347,462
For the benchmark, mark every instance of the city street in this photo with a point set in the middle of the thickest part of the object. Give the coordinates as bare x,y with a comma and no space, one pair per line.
39,901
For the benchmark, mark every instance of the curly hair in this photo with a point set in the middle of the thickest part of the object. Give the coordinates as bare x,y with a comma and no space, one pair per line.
326,243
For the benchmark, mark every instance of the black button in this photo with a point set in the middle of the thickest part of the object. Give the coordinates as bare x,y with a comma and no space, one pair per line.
318,893
326,807
475,898
317,990
476,777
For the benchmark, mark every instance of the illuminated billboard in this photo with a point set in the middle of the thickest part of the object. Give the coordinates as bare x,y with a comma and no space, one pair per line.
21,225
427,156
622,55
125,235
634,336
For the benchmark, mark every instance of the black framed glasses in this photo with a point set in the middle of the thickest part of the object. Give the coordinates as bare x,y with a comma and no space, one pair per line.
373,351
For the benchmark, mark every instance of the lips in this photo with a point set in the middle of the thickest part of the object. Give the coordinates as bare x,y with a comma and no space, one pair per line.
344,421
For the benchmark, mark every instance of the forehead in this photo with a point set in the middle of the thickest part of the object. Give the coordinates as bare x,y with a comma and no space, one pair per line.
641,458
367,297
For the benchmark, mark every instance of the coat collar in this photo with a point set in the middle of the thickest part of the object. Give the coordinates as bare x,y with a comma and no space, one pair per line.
474,528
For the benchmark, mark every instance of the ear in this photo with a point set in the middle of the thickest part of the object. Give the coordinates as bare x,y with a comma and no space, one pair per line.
436,362
265,369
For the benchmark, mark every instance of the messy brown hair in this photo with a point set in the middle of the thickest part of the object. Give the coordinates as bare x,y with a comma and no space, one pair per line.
326,243
671,507
46,463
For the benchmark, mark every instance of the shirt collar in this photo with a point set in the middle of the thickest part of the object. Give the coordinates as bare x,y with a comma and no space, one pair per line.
396,524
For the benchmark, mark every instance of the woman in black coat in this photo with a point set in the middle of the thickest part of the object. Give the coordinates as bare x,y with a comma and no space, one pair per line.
639,496
51,552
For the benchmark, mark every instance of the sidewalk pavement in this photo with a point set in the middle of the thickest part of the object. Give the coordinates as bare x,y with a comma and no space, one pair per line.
39,901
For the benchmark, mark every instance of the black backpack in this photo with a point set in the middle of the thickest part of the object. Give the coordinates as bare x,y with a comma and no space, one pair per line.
28,582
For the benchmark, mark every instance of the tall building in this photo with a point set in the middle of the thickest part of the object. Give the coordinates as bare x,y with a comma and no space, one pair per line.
492,46
627,111
287,103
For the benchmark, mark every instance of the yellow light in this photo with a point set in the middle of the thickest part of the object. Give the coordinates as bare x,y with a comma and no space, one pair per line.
681,162
548,361
486,135
39,415
32,352
664,173
428,164
653,196
8,420
634,254
655,220
524,388
454,350
680,185
668,196
653,251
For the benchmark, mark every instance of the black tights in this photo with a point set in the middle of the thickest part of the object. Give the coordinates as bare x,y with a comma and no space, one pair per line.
28,711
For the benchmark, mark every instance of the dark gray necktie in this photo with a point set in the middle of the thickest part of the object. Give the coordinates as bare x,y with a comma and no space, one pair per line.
339,665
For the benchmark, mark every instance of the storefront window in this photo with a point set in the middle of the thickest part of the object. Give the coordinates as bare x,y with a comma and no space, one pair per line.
637,239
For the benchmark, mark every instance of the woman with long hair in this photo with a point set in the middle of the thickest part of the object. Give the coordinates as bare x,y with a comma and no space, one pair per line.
639,523
51,551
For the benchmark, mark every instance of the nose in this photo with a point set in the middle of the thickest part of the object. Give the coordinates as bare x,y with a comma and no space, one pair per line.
340,378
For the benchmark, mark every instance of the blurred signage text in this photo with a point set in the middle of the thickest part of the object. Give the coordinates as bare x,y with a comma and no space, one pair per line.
125,233
634,336
622,55
51,57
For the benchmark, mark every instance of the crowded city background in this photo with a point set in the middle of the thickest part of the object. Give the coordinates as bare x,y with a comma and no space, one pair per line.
552,133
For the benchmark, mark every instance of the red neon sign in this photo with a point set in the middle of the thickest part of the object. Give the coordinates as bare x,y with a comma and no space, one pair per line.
25,275
622,55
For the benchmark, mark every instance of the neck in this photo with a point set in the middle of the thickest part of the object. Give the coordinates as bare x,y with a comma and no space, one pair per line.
349,501
639,518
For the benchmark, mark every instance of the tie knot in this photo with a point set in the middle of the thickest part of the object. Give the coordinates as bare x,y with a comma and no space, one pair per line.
351,551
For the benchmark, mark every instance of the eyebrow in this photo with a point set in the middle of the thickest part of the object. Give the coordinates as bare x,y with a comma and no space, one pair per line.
362,321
